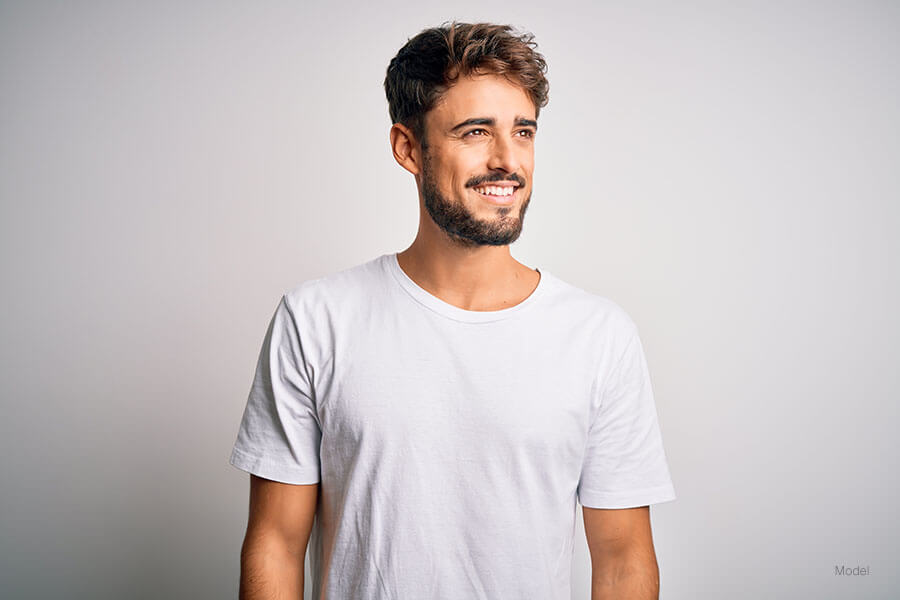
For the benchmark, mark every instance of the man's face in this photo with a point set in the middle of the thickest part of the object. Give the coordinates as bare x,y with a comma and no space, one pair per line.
478,163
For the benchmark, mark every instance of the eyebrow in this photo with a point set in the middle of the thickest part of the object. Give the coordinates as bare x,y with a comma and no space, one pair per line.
520,121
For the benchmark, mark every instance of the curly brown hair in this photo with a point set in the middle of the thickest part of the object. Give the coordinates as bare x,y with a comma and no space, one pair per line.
431,62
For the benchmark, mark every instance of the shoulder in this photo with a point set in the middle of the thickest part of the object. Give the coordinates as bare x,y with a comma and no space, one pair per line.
336,300
347,285
590,310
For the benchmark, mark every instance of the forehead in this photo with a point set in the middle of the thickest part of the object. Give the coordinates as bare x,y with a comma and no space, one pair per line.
491,96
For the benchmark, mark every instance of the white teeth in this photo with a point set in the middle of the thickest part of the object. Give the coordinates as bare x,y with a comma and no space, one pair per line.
496,190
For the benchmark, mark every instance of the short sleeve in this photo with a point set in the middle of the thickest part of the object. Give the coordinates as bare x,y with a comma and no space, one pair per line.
625,464
279,434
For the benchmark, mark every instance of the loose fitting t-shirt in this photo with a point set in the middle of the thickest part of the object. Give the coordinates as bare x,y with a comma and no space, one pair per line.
450,445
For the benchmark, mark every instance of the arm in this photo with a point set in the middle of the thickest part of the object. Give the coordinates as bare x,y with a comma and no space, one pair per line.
623,562
278,529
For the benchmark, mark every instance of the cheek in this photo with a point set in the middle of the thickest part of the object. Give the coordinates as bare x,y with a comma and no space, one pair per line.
526,158
464,172
528,168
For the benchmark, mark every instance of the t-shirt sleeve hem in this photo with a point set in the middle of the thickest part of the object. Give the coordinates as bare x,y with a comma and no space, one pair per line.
259,466
630,499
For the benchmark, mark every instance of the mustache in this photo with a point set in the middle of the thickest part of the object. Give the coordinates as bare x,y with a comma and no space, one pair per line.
476,181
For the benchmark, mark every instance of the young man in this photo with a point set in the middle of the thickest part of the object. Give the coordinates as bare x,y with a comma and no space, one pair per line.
428,420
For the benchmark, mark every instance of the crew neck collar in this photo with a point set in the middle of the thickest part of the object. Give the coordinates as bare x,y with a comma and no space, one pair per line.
456,313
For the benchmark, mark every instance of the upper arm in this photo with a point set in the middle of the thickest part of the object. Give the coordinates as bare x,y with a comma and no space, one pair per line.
624,463
620,532
281,513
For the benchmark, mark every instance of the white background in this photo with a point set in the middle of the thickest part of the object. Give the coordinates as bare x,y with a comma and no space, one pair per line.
725,171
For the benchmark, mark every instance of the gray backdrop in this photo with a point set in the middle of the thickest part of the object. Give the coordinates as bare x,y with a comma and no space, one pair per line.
727,172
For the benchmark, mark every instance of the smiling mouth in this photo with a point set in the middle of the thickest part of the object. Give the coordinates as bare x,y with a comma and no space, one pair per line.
497,194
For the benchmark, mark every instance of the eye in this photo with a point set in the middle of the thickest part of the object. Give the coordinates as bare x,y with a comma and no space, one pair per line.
468,133
528,133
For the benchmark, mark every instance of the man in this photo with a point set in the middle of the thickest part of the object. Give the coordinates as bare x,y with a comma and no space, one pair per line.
428,420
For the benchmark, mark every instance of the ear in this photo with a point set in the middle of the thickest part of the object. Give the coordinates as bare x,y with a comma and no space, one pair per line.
406,149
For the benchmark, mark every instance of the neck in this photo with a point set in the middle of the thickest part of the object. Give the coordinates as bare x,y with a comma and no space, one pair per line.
472,278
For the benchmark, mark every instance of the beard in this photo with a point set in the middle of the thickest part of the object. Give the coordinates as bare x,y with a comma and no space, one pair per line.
461,225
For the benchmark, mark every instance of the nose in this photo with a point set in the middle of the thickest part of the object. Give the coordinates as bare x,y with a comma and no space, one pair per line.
503,155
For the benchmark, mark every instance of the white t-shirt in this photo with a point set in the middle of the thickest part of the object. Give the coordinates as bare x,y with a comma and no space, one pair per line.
450,445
